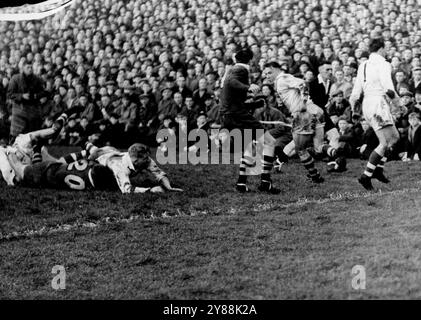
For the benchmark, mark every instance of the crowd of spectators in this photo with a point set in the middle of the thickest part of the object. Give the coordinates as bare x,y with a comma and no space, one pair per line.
129,68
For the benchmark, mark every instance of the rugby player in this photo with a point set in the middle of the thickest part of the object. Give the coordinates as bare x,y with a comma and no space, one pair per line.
25,147
76,175
236,114
374,81
126,165
308,118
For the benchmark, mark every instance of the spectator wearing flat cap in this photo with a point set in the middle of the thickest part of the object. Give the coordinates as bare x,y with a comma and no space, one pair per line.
338,107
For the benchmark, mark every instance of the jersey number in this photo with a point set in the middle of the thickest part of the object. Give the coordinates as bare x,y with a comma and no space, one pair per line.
80,165
73,181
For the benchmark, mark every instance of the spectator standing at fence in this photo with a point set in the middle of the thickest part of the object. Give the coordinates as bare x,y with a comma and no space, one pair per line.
25,91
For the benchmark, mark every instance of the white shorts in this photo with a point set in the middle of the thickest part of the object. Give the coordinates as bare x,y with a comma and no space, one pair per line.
376,111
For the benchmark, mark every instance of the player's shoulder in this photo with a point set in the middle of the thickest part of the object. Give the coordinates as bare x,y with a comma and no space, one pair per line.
313,108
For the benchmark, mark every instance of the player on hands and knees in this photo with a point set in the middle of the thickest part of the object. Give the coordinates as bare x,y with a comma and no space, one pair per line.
379,98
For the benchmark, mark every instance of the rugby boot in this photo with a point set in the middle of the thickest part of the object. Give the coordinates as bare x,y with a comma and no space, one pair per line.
365,182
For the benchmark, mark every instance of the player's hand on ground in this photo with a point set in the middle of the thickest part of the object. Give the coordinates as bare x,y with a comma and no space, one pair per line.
141,190
176,189
157,189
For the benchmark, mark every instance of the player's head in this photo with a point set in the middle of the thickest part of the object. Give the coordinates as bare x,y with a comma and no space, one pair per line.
377,45
244,56
139,156
103,178
271,71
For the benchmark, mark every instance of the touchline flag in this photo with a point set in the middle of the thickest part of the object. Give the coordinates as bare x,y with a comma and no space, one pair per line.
24,10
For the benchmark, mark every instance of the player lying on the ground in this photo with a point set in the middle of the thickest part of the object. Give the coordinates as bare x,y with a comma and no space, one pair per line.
126,166
77,175
24,147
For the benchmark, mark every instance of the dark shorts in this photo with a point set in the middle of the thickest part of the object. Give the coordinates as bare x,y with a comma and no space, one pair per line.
37,175
303,141
240,121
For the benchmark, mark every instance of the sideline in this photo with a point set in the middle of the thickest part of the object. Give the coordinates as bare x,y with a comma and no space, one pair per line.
106,221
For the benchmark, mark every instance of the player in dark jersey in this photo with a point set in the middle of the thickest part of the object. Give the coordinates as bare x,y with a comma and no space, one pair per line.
236,114
76,175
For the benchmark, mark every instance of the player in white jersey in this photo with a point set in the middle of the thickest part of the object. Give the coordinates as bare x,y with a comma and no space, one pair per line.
379,97
308,118
127,164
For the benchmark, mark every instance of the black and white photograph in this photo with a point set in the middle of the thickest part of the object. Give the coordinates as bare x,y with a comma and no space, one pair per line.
232,151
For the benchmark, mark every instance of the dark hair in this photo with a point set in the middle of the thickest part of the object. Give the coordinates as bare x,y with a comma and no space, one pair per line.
244,55
376,44
273,64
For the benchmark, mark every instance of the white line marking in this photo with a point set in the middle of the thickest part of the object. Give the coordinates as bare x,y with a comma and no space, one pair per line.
265,207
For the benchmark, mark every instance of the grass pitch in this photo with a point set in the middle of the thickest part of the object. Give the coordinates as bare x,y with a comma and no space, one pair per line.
213,243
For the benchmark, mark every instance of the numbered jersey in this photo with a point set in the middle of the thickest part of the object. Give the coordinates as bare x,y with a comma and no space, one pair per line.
47,174
75,175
